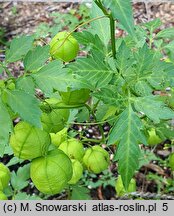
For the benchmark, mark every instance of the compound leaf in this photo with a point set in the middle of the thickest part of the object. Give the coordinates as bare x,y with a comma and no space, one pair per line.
80,193
19,180
94,70
18,48
6,127
122,10
26,105
166,33
26,83
127,131
100,26
54,76
36,58
153,108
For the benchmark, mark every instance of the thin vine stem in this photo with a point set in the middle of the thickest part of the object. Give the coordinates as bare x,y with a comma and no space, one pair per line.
112,29
93,123
99,125
112,26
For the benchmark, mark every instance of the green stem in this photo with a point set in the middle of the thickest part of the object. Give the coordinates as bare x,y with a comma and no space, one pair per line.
100,5
93,123
99,125
112,26
69,193
112,29
91,140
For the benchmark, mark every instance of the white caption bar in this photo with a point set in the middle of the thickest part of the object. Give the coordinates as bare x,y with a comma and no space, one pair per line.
92,207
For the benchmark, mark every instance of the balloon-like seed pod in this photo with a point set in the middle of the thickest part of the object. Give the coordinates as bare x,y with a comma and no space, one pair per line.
77,171
73,148
29,142
4,176
96,159
55,120
51,173
63,47
3,196
59,137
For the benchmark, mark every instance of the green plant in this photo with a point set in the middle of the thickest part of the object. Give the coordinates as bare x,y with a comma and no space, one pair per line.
64,47
77,171
4,176
51,173
2,196
122,76
96,159
153,138
75,97
171,161
119,187
73,148
29,142
55,120
59,137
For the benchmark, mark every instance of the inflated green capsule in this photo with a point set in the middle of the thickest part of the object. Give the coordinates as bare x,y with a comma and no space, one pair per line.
50,174
2,196
55,120
120,188
29,142
59,137
96,159
4,176
63,47
77,171
153,138
73,148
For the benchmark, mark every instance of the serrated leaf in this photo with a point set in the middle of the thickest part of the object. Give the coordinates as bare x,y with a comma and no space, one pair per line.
145,157
125,62
170,73
144,60
127,131
101,26
94,70
122,10
109,96
14,161
105,111
36,58
80,193
169,46
19,180
153,108
166,33
18,48
26,84
6,127
54,76
153,25
26,105
25,196
90,41
142,88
